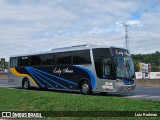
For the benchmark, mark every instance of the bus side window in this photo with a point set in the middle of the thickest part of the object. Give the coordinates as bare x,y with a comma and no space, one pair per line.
81,57
102,62
63,58
13,62
106,69
48,59
35,60
23,61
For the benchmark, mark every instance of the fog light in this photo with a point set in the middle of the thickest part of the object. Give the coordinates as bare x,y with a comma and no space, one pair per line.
129,88
120,82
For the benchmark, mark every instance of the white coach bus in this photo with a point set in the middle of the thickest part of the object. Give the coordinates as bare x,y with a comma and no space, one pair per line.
86,68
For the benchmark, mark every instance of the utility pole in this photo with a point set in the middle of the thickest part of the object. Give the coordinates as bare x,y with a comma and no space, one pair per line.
159,65
126,44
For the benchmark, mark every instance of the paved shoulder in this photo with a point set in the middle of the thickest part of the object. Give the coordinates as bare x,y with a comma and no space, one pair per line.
146,93
3,81
144,97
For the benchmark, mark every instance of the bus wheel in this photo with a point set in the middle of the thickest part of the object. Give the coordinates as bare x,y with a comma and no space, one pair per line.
26,84
86,88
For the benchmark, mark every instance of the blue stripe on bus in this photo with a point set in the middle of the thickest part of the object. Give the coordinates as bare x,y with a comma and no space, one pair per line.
48,79
90,74
34,77
40,78
56,77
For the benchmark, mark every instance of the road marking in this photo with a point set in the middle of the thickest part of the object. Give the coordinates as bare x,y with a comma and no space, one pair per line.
144,97
137,96
154,97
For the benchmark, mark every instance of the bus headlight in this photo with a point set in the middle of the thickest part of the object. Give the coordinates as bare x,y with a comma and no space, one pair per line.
120,82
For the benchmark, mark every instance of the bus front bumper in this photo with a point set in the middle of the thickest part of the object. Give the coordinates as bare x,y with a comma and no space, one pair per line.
124,88
113,86
119,88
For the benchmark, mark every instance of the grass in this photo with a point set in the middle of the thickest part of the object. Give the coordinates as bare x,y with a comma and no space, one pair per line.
29,100
19,99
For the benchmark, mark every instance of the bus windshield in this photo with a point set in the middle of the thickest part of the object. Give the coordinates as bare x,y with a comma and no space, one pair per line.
125,66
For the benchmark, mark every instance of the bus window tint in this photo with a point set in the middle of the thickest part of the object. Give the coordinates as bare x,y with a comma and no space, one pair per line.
35,60
81,57
24,61
63,58
48,59
101,57
13,62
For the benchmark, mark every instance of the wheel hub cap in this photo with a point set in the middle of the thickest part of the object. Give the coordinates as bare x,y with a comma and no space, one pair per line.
85,88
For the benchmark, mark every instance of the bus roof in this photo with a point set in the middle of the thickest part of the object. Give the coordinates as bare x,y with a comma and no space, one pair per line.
65,49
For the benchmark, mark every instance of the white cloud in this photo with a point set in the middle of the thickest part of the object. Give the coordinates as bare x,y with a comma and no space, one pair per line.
133,22
39,25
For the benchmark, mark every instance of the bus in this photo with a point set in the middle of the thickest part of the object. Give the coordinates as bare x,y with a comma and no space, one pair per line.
84,68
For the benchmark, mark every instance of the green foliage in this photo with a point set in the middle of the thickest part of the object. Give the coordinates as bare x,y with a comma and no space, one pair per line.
153,59
6,65
136,65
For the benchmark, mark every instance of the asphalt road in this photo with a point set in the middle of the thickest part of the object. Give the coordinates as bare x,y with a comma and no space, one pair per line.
4,83
152,93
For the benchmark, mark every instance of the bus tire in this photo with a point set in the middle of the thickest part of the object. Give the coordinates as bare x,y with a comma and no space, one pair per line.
86,88
26,84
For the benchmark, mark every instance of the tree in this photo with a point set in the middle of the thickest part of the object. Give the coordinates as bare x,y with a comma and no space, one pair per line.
136,65
157,52
153,59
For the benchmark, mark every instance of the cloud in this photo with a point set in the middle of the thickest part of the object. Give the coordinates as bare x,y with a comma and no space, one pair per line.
39,25
133,22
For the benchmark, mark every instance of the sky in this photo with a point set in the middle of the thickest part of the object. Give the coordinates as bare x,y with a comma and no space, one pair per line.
30,26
